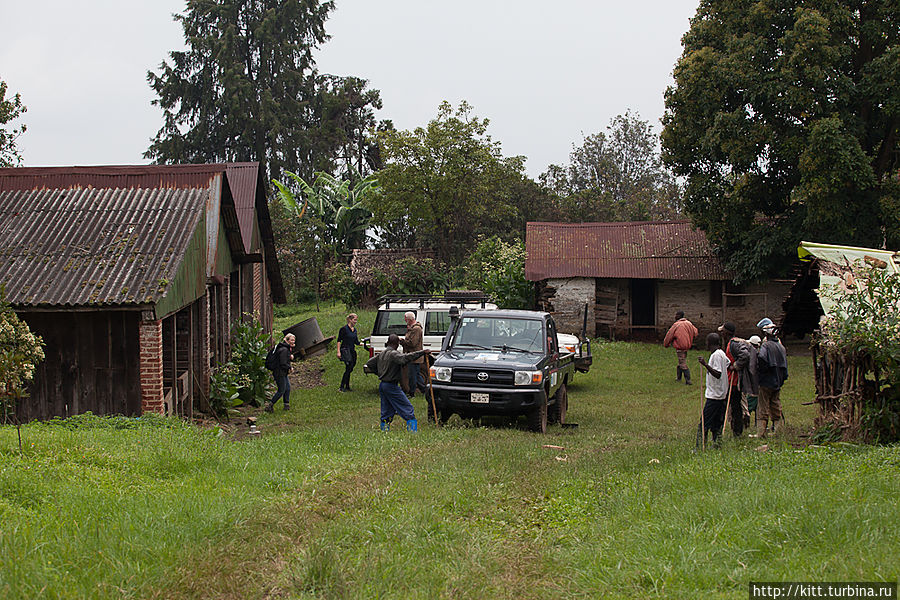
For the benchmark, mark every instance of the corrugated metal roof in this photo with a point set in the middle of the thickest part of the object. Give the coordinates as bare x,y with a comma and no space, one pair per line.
640,250
76,247
243,181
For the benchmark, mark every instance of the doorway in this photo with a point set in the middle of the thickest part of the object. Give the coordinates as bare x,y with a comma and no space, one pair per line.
643,303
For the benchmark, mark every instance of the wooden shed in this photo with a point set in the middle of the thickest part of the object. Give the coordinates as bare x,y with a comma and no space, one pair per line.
634,276
133,275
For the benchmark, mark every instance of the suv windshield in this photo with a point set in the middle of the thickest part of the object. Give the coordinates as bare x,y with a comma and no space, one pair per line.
500,332
390,321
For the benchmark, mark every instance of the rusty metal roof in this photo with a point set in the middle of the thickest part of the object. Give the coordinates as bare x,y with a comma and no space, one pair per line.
75,247
637,250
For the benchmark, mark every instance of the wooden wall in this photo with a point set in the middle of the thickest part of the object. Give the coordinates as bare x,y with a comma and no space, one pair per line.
92,364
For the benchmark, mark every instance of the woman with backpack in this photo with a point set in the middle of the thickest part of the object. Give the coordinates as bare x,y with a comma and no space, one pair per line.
280,364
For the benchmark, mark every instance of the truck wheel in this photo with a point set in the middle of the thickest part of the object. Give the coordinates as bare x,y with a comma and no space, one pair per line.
557,412
537,418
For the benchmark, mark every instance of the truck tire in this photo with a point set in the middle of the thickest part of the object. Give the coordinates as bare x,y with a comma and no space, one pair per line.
537,418
557,412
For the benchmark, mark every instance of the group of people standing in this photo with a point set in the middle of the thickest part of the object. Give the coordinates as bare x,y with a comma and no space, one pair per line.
742,375
400,373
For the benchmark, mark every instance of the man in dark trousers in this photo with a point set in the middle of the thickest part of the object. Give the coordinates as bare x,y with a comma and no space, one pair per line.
772,373
283,357
393,400
681,335
741,375
713,418
413,342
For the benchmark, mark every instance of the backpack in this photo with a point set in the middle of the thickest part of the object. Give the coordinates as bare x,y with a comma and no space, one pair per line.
272,359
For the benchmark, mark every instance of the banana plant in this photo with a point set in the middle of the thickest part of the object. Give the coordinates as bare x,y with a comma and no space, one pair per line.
339,205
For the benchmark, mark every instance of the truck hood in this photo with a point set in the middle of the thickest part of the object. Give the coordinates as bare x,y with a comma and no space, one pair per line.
488,358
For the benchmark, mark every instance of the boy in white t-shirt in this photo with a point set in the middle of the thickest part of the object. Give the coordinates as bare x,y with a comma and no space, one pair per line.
716,390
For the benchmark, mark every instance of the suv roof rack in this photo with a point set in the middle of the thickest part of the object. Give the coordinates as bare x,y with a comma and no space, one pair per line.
461,297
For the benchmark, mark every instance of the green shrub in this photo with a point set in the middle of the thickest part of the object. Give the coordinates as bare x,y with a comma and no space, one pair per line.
339,285
249,345
497,268
414,276
20,353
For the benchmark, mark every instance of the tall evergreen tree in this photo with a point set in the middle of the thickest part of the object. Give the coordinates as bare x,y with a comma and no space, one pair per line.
785,121
246,89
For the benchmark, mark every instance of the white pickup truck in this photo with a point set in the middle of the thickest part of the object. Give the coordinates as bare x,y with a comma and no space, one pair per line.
434,313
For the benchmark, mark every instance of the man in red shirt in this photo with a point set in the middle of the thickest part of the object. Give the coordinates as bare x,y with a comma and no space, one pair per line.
681,335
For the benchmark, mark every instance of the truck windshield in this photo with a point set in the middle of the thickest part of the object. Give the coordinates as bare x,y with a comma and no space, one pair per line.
500,332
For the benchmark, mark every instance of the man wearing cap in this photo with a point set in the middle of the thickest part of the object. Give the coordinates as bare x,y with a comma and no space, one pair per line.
681,335
741,376
773,372
753,399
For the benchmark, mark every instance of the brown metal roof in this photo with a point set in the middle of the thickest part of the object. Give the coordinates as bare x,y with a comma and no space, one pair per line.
640,250
77,247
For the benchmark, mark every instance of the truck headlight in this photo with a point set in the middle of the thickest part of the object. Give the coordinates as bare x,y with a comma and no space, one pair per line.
528,377
441,373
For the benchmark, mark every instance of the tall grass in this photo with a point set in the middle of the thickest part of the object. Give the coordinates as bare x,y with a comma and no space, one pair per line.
323,505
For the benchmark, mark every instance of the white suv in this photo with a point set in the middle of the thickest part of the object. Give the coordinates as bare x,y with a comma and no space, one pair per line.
433,312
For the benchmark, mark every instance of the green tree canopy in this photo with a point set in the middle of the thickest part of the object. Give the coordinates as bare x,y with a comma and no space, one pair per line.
447,183
10,109
785,119
246,89
615,176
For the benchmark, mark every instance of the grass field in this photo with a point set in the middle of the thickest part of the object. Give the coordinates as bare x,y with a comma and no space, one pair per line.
324,505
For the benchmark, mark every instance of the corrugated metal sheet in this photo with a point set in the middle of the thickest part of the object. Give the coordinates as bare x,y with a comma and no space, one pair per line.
643,250
242,179
74,247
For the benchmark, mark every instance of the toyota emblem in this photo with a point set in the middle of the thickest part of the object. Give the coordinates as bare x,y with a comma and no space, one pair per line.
482,376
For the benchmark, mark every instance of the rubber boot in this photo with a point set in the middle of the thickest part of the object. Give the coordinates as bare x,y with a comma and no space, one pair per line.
687,376
778,426
385,425
268,407
761,426
678,373
412,425
287,406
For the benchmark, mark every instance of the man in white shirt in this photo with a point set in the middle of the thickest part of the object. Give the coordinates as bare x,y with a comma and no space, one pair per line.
713,417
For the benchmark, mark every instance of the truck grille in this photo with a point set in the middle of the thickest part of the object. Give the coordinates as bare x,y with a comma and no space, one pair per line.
494,376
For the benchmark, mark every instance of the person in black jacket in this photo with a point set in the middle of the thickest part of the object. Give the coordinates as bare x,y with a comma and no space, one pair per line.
284,354
393,400
348,340
773,371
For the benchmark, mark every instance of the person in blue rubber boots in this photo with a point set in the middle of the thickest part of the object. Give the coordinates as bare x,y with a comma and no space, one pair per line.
393,400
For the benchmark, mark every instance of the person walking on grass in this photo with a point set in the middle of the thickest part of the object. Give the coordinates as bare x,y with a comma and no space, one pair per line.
681,335
773,372
412,342
348,340
284,354
713,417
393,400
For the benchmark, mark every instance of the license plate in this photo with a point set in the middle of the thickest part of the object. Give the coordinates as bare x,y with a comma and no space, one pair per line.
481,398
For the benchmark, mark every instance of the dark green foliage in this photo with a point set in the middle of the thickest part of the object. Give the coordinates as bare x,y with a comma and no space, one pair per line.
414,276
244,379
10,109
498,269
249,345
339,285
447,183
785,121
615,176
246,89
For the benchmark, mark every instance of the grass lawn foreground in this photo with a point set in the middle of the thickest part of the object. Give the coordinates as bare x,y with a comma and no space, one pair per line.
324,505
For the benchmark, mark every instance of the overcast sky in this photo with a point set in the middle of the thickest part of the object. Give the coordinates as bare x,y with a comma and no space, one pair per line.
546,74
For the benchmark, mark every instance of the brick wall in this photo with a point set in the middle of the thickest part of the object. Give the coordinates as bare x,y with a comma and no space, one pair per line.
568,304
151,367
